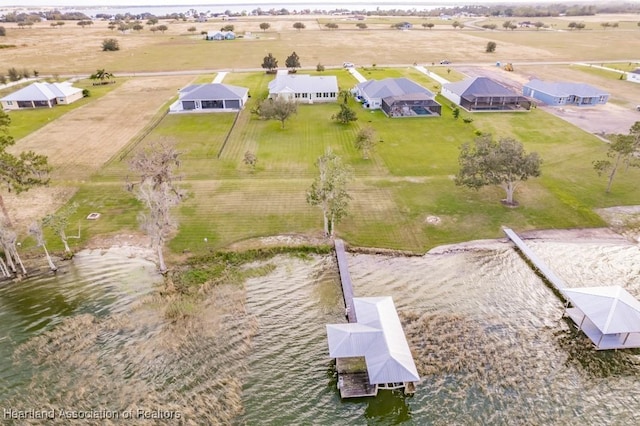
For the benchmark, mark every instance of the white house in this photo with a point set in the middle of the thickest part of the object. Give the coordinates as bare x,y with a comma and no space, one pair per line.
304,88
41,95
213,97
634,76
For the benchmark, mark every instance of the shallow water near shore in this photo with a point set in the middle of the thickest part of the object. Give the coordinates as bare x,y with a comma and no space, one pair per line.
487,334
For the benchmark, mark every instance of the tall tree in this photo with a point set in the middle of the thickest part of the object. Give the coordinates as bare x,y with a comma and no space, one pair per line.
264,26
624,150
504,163
18,173
158,191
280,109
269,62
293,61
329,190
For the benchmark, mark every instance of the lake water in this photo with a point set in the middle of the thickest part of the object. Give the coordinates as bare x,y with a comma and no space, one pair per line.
488,335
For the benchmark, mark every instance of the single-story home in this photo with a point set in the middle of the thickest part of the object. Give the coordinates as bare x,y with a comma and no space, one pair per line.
634,75
397,97
562,93
484,94
304,88
41,95
212,97
220,35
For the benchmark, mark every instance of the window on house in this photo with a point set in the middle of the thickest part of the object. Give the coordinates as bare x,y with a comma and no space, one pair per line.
297,95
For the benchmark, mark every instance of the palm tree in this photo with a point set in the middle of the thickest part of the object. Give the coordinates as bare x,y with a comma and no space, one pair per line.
102,75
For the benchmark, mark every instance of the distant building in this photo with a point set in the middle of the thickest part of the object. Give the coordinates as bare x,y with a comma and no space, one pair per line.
634,76
221,35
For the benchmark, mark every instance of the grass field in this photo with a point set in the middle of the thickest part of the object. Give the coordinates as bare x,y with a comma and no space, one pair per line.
408,178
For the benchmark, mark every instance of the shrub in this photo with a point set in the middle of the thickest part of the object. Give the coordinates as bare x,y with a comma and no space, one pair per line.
110,45
319,67
14,75
3,32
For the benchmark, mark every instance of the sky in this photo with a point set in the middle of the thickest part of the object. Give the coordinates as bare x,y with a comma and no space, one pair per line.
111,3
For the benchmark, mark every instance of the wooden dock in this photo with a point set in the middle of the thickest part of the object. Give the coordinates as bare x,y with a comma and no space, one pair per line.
353,379
345,279
556,281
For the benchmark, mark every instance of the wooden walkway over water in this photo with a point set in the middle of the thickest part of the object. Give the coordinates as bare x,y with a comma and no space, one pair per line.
345,279
555,280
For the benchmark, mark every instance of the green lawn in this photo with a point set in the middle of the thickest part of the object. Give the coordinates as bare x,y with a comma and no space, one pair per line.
408,178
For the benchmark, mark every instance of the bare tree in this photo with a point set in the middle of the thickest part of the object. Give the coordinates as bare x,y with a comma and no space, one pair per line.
58,222
158,191
8,240
624,150
35,230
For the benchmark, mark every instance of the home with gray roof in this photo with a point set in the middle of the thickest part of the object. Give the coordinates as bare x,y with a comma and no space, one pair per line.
41,95
220,35
212,97
634,76
304,88
397,97
484,94
563,93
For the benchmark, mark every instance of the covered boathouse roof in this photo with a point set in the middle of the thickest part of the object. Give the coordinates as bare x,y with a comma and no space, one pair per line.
379,338
609,316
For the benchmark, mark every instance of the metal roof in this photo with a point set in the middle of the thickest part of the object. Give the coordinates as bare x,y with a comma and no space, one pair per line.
303,83
565,89
611,309
212,91
392,87
379,338
42,92
478,87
